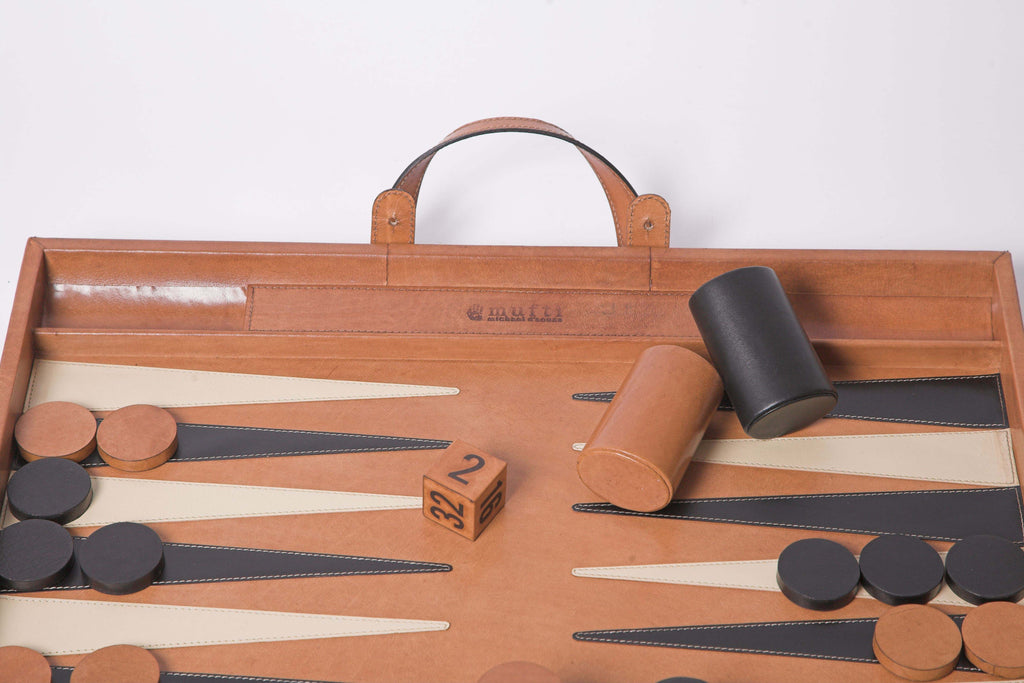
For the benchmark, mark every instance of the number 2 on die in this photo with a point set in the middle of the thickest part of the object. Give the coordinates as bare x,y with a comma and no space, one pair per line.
465,489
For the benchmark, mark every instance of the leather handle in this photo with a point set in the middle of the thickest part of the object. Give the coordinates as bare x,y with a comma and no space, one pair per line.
639,220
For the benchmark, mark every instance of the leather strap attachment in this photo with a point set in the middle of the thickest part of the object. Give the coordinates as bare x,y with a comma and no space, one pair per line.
649,219
394,211
394,218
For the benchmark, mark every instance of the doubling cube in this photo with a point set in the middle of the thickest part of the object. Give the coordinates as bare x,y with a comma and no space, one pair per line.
465,489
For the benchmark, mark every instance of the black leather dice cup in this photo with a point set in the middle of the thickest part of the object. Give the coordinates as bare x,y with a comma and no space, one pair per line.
771,373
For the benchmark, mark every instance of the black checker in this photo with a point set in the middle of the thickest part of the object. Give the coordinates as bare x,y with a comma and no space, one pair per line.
34,554
122,558
984,569
818,574
901,569
52,488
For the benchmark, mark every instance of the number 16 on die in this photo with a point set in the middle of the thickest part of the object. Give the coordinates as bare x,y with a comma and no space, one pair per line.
465,489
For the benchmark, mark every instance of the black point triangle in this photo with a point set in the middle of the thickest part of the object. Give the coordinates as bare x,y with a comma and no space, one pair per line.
62,674
199,442
970,401
941,515
847,640
187,563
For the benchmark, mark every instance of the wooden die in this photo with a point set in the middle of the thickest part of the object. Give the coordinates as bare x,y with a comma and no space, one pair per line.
465,489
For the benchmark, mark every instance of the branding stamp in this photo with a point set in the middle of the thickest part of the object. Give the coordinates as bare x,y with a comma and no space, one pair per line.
534,313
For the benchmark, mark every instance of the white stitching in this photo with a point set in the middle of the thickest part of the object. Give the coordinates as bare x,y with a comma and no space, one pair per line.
202,610
294,552
303,431
724,649
718,627
1004,433
914,379
223,677
242,679
116,367
420,444
187,608
31,386
960,378
243,487
599,639
266,577
860,473
244,456
1002,404
604,508
863,494
603,395
311,511
1006,458
382,506
599,636
922,422
441,391
438,568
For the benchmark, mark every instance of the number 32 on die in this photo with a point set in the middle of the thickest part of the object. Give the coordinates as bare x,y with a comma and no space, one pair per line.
465,489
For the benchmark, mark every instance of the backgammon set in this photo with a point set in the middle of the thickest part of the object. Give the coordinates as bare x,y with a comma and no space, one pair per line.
404,463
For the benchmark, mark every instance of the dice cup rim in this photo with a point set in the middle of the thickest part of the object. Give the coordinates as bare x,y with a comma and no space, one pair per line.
787,426
639,467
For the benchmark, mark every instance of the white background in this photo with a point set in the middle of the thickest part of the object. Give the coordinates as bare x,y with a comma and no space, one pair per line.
848,124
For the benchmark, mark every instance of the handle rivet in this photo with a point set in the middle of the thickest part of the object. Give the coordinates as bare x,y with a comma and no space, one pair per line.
648,225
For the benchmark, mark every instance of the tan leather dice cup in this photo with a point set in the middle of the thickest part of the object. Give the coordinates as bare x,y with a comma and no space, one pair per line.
643,444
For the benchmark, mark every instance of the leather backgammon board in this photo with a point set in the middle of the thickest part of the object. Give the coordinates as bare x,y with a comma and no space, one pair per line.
315,385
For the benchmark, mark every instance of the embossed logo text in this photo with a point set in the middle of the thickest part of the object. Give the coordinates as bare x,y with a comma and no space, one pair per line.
534,313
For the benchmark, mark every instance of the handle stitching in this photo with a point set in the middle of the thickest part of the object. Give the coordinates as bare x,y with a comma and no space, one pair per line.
658,199
378,217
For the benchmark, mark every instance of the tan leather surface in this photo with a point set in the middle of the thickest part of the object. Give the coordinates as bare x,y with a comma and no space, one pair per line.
643,444
453,310
16,364
917,642
511,594
466,311
642,221
23,665
994,638
57,429
520,412
117,664
830,272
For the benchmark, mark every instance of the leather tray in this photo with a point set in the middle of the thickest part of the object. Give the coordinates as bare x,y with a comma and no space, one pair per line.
518,330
